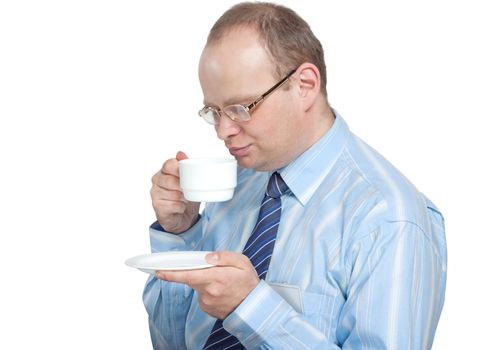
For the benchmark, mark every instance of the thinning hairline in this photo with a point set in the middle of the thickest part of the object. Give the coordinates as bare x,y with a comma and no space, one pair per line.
246,26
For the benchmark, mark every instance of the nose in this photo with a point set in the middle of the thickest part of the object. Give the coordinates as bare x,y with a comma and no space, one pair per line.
226,128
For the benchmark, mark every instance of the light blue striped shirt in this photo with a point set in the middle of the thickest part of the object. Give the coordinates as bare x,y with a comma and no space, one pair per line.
359,261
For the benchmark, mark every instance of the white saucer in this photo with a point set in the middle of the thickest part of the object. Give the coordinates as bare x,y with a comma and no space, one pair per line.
177,260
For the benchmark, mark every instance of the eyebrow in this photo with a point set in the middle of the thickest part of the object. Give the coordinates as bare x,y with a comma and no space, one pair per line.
234,100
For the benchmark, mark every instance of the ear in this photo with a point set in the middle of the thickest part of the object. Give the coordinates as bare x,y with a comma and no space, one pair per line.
308,83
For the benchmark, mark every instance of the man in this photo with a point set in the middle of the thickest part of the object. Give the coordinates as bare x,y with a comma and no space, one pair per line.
354,256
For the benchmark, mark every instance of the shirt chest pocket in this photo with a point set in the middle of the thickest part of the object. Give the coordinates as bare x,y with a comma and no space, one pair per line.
292,295
320,309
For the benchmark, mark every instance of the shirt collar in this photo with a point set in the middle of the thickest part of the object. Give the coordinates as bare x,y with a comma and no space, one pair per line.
305,174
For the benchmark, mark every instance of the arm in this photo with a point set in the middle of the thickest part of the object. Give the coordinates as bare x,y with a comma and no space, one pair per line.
393,298
255,312
166,319
266,321
167,304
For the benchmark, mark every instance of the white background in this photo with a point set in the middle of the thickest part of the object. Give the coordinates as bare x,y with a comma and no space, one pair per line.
95,95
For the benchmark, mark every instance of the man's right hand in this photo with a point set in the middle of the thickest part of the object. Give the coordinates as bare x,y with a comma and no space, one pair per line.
174,213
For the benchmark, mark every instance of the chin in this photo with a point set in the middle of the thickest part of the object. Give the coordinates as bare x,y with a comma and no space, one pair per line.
250,163
261,167
245,163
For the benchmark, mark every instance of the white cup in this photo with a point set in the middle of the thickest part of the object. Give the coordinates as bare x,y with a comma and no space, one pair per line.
208,179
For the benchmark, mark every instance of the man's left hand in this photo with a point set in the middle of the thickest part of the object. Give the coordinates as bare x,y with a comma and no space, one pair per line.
221,288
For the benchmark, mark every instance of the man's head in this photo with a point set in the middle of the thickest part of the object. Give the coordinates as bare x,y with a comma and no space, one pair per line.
287,38
251,48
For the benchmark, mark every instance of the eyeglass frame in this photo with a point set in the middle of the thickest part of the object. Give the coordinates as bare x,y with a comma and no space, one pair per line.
248,107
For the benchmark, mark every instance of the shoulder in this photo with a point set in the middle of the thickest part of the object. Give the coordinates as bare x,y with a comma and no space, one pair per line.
391,207
397,197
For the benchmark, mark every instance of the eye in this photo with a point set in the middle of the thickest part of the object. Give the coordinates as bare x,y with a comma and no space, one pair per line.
210,114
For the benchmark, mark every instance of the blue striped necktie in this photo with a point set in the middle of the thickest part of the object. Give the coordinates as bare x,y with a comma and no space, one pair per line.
259,250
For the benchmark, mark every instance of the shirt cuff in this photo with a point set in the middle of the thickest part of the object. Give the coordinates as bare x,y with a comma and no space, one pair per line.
257,316
161,240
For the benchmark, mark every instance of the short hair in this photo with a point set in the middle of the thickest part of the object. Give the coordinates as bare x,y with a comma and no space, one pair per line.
286,36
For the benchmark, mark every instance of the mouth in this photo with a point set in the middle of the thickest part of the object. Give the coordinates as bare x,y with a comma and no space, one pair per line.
239,151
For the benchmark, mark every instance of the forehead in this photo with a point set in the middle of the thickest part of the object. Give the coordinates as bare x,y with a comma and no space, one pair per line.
237,47
236,64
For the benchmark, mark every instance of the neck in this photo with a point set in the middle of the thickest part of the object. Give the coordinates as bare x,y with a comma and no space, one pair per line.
323,118
312,127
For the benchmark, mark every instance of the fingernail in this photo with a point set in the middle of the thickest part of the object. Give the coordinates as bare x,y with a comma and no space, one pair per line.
212,258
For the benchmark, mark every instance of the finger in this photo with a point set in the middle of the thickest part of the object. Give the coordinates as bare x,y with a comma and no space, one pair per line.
181,155
225,258
167,207
167,182
171,166
190,277
161,194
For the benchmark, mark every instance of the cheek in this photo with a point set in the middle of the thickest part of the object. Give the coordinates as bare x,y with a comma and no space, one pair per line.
282,123
274,136
264,131
273,125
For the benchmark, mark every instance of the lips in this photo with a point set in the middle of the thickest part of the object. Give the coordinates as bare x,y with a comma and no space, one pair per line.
239,151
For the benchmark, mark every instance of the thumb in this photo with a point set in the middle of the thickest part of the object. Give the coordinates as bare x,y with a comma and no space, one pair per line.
226,258
181,155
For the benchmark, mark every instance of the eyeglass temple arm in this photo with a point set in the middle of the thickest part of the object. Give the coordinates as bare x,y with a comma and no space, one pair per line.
267,93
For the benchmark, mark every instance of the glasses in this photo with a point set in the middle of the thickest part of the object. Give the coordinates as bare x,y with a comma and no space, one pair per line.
237,112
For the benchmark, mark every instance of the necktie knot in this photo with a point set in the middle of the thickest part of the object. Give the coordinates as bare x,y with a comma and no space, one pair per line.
276,186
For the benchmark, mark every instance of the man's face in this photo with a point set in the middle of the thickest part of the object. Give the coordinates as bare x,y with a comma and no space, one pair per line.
237,70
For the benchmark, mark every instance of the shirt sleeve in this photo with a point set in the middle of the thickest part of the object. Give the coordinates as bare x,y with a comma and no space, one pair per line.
167,303
163,241
393,297
264,320
396,289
